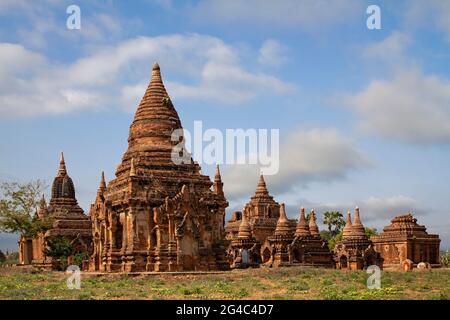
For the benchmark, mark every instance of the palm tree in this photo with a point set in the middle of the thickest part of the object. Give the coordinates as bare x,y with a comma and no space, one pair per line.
335,221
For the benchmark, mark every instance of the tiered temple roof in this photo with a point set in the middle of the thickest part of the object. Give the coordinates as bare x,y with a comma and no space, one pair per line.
69,218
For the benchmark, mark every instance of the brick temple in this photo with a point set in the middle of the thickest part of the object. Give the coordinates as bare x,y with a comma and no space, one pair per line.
404,239
262,234
156,215
68,221
355,251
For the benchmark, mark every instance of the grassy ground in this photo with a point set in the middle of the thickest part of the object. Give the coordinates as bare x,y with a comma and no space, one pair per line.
285,283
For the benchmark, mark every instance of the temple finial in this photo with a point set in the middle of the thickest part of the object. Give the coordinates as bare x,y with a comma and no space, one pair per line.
302,228
217,176
102,182
62,165
313,228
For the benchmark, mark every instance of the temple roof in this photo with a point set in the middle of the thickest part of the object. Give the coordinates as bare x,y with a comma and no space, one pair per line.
283,226
148,170
63,190
404,224
245,231
348,226
69,218
261,193
302,226
357,227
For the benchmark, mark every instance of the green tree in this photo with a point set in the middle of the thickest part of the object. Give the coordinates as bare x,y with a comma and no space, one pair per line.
2,257
58,246
18,204
335,222
332,241
370,231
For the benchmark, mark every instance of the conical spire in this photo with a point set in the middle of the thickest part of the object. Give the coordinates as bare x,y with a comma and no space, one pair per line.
282,223
348,226
217,176
102,185
261,188
302,226
245,231
218,185
62,166
156,103
155,120
102,181
62,187
313,228
357,228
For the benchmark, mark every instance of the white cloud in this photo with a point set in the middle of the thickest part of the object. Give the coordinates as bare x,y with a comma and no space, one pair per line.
436,12
272,53
410,107
386,208
390,50
308,15
378,209
320,155
113,76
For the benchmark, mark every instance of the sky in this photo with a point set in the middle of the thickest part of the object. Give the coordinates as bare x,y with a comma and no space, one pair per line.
364,115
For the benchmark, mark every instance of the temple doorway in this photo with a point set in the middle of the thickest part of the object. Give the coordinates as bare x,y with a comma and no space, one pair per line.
343,262
266,255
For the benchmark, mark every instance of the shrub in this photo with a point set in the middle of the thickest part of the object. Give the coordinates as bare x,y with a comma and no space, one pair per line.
445,258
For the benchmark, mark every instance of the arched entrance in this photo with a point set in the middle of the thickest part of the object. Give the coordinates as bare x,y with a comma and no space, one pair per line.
343,262
266,255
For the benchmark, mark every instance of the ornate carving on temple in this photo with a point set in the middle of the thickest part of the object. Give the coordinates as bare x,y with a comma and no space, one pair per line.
263,213
156,215
404,239
355,251
69,221
244,249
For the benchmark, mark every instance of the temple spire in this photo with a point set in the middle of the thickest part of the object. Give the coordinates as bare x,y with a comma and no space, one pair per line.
261,188
357,228
302,226
313,228
62,166
102,185
245,231
218,184
348,226
282,227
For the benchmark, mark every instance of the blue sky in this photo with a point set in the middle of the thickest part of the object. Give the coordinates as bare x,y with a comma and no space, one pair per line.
364,115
